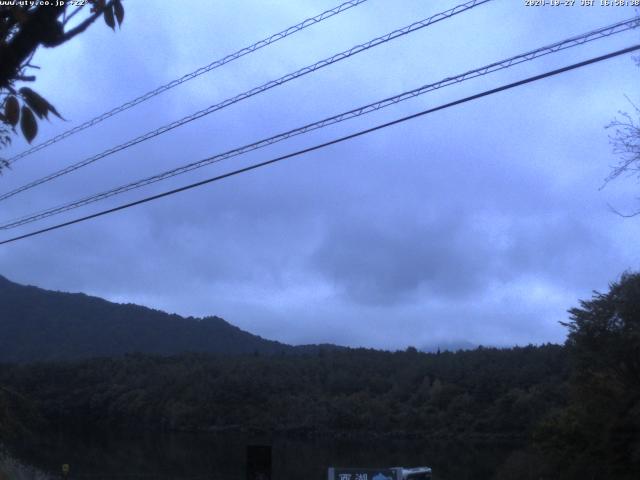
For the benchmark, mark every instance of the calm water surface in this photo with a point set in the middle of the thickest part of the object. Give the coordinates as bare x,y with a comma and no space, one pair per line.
222,457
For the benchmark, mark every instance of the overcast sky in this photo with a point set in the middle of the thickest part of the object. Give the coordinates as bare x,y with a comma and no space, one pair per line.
481,223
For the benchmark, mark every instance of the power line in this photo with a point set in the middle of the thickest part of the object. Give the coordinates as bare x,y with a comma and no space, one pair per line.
243,96
189,76
331,142
502,64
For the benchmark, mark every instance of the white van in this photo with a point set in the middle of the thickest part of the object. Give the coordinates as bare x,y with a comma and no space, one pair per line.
416,473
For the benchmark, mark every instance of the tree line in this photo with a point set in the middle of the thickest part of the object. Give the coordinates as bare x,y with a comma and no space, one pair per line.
573,411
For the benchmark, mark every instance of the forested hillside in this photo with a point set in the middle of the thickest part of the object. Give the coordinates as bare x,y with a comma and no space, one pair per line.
486,392
569,411
42,325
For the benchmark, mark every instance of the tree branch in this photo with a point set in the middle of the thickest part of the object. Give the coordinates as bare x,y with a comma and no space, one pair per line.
39,28
71,15
82,26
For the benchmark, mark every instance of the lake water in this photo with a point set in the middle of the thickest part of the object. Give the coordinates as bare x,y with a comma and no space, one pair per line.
223,457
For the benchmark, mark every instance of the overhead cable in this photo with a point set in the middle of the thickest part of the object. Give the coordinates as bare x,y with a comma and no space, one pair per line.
329,143
250,93
607,31
190,76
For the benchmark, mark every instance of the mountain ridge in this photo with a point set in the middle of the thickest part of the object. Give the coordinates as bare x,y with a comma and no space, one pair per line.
45,325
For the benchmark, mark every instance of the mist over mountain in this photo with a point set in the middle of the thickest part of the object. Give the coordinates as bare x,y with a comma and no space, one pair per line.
44,325
448,346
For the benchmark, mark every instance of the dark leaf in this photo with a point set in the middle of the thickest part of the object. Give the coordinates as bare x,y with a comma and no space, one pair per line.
28,124
38,104
53,110
20,15
12,110
96,5
108,17
119,11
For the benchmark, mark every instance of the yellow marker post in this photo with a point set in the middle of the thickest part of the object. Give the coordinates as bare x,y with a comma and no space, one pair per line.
65,470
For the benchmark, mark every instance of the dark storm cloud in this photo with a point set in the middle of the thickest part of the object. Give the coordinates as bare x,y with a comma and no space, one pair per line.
453,257
388,262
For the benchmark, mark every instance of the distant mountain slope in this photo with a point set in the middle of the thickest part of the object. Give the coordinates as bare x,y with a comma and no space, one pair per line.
43,325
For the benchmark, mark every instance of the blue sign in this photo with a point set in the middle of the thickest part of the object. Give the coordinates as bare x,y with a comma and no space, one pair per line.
363,474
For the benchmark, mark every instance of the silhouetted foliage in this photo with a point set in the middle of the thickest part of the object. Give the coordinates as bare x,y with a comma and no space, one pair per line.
598,434
25,26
